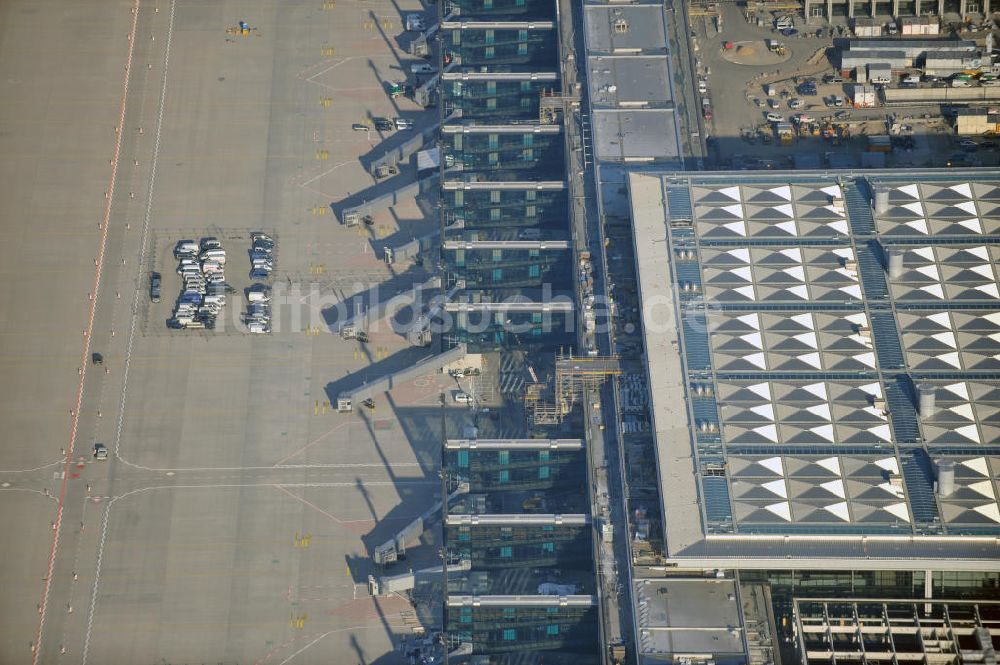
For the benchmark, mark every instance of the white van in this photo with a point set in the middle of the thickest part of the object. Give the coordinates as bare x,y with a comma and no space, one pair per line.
422,68
463,398
774,117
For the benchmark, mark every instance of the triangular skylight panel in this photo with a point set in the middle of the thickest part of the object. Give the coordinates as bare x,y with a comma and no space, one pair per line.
835,487
802,291
881,431
824,431
831,464
742,253
985,270
782,510
739,228
989,510
950,359
910,190
794,253
773,464
746,291
915,207
977,464
851,290
821,410
785,209
980,252
964,189
947,338
809,339
872,389
765,410
731,192
888,463
964,410
858,319
989,289
934,290
817,389
784,191
968,206
940,318
777,487
840,510
983,488
744,273
899,510
866,359
926,253
970,432
918,225
752,320
789,228
973,225
961,389
811,359
930,271
762,389
840,226
804,320
798,272
753,339
756,359
769,432
895,490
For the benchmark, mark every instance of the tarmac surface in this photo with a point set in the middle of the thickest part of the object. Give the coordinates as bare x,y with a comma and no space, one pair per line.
234,519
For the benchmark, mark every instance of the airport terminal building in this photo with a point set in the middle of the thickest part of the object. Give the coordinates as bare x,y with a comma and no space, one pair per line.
823,361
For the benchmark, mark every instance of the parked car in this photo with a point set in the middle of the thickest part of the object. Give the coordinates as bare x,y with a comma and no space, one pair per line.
403,123
774,117
154,286
100,452
463,398
796,103
383,124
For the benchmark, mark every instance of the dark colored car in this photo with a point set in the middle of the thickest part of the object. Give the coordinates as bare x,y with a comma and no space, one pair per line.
154,286
384,125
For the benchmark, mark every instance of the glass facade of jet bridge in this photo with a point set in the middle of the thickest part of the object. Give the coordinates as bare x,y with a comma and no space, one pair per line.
521,10
512,628
501,210
493,330
494,99
522,47
498,470
490,546
520,153
500,268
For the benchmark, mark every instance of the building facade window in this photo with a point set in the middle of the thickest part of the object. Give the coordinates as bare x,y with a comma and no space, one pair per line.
506,552
503,457
504,474
543,473
552,629
509,634
463,458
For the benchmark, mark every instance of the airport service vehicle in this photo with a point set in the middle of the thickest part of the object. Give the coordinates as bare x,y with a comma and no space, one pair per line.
774,117
100,452
154,286
415,23
422,68
403,123
463,398
383,124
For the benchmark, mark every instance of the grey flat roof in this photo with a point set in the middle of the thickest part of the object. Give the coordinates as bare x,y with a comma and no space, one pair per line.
515,519
631,80
645,28
514,444
688,617
635,134
521,601
800,356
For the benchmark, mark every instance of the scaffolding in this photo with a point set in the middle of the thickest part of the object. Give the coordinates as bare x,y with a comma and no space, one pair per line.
575,375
